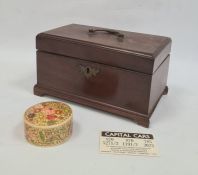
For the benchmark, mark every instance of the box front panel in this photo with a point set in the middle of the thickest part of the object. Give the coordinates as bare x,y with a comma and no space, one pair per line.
119,87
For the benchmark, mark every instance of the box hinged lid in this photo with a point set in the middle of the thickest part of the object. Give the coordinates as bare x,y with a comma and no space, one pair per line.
135,51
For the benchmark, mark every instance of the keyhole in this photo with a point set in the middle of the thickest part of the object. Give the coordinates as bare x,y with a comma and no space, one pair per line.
88,70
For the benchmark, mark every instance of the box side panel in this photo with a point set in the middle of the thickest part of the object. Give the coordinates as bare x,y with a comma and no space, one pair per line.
162,55
158,84
118,87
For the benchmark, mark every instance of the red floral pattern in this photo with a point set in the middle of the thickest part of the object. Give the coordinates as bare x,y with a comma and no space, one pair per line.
41,113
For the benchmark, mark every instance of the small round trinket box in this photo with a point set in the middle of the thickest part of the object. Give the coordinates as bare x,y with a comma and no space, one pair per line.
48,123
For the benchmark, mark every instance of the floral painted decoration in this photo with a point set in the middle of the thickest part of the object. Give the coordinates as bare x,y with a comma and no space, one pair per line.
48,123
48,113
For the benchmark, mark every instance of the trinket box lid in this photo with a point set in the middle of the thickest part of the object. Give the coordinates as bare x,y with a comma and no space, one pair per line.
47,114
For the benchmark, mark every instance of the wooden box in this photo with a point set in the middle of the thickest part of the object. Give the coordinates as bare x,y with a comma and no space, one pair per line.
121,72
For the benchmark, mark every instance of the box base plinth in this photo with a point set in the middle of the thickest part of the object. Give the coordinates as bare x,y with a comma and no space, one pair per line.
140,119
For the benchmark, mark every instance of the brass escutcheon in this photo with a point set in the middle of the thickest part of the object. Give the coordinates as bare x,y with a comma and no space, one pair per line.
88,71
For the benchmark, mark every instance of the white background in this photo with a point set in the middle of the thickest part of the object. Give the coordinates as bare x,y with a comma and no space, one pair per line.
174,122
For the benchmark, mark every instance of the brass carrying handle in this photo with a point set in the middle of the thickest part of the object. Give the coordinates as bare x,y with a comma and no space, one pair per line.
112,32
